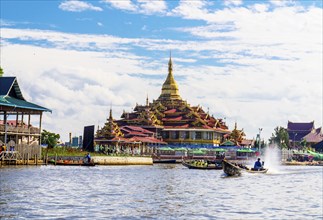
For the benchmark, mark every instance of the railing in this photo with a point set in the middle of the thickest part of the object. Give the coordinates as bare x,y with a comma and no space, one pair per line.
203,141
19,130
22,154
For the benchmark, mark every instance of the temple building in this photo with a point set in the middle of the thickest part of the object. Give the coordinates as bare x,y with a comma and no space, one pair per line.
173,120
304,131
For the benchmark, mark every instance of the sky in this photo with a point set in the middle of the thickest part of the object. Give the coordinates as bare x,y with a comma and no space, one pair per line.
256,63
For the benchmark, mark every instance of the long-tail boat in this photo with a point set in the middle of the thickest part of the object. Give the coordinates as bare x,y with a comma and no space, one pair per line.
201,165
71,163
231,169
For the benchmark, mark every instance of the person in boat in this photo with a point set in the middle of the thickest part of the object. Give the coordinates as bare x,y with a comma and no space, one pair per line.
88,157
258,165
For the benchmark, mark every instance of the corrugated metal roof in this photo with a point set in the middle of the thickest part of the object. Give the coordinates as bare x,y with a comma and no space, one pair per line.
11,96
18,103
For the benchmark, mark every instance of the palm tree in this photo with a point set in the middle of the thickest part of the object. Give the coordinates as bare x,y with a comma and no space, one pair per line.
280,137
1,72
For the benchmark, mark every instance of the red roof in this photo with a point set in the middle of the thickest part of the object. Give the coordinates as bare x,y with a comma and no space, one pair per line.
173,119
130,128
12,123
134,133
178,126
148,140
170,111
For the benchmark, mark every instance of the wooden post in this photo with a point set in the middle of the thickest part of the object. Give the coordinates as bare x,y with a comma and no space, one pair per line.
40,119
5,129
36,156
46,157
27,158
55,159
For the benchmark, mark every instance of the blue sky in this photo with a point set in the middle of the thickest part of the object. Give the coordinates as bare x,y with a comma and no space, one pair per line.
257,63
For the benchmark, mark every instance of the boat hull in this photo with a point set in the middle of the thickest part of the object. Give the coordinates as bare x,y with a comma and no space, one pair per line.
71,163
257,171
231,169
164,161
189,165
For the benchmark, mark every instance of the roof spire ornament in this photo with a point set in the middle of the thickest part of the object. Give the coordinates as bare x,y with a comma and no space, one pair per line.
110,115
147,102
170,87
170,64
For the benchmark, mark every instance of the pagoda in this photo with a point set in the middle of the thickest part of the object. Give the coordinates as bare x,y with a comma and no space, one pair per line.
174,120
109,130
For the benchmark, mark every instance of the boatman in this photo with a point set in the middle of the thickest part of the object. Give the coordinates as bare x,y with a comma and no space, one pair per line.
257,165
88,156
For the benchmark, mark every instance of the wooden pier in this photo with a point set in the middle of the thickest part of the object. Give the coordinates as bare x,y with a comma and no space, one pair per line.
9,157
15,158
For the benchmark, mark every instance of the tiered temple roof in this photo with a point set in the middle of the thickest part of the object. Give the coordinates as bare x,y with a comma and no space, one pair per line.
110,129
237,136
171,112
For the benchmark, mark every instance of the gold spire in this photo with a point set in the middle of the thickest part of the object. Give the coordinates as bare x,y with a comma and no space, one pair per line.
147,101
110,116
170,87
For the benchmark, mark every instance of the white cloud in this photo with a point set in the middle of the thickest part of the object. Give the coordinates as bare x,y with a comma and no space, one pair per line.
152,7
282,2
123,5
233,2
100,24
253,65
140,6
191,9
78,6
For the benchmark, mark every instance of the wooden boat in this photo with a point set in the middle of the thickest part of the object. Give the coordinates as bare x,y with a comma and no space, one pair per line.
164,161
231,169
201,165
71,163
252,170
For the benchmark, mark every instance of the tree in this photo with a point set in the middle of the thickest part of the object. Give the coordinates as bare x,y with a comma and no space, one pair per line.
1,72
49,138
303,144
280,137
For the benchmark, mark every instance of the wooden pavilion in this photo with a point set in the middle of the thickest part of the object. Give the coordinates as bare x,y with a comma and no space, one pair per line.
16,132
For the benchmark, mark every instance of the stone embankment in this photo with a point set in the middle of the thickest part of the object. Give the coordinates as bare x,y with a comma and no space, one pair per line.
110,160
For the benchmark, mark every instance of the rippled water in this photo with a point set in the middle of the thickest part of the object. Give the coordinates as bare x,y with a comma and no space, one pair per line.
158,192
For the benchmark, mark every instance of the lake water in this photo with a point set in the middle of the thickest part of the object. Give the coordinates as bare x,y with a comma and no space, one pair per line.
164,191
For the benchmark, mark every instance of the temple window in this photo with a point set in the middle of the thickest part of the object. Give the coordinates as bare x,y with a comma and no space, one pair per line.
174,134
165,134
198,135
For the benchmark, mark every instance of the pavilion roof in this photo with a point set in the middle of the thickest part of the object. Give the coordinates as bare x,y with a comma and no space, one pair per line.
300,126
11,97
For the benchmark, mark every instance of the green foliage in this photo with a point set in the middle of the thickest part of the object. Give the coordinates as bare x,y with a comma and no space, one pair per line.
69,152
49,138
303,144
280,137
1,72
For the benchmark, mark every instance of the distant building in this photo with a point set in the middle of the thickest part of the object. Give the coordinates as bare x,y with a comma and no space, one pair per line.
299,131
80,141
75,141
